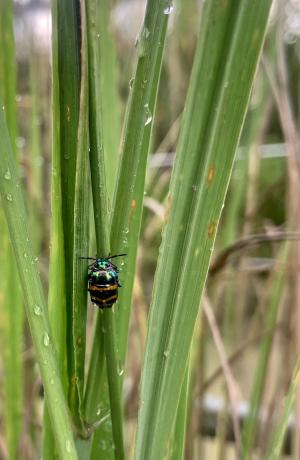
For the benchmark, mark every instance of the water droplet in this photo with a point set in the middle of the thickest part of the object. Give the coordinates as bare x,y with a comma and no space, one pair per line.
98,411
7,175
9,197
166,353
51,381
37,310
168,10
98,35
131,81
120,369
195,188
3,107
148,118
25,255
68,445
46,339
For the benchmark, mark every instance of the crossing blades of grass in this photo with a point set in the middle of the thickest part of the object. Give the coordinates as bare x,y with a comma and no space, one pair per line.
130,185
229,45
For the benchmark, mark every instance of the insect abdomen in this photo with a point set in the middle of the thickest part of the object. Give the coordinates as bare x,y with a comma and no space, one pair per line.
104,296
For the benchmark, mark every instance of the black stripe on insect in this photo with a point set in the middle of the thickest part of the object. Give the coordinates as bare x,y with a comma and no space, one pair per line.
103,280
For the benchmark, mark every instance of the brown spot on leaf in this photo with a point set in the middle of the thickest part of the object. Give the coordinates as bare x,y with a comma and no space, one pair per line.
211,229
210,174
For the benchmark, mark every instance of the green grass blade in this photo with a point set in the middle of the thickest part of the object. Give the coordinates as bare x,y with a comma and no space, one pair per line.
67,46
99,186
81,237
278,438
229,45
36,310
129,195
109,89
12,299
178,443
277,282
114,382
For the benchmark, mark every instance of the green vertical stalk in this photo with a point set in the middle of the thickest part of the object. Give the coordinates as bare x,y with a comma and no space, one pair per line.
178,443
67,46
12,300
125,229
81,236
230,35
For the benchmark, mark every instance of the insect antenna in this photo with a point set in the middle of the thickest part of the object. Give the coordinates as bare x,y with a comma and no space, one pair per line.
88,258
117,255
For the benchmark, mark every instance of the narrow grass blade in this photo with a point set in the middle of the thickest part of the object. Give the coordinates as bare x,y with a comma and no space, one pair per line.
81,236
178,443
230,36
14,207
278,438
277,282
11,302
99,185
111,110
66,24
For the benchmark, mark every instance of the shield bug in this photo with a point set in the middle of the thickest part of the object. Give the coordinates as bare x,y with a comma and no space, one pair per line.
103,281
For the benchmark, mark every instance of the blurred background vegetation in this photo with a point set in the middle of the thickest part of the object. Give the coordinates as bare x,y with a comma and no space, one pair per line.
248,334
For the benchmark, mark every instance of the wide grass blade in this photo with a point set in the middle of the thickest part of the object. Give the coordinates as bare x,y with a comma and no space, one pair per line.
229,45
129,194
14,207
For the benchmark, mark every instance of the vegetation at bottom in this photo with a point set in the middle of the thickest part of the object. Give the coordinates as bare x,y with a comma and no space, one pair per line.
166,134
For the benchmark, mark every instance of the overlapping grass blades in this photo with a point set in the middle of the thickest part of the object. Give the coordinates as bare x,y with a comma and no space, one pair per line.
229,45
130,185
